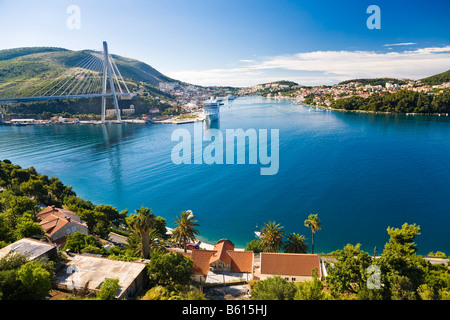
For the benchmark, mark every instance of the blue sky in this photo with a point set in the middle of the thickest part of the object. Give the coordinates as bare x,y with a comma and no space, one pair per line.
245,42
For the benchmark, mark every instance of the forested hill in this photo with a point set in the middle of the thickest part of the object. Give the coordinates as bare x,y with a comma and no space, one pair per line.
376,81
437,79
22,70
432,80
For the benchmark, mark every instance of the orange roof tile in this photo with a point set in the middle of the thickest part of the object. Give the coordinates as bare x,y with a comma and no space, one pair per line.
201,261
52,210
222,246
241,261
289,263
53,223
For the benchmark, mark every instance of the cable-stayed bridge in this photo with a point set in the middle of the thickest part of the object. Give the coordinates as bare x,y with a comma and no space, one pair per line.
97,75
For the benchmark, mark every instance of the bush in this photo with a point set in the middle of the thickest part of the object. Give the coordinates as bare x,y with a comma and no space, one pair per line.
273,288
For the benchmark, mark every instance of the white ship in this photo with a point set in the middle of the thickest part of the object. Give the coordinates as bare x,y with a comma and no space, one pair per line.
211,109
230,97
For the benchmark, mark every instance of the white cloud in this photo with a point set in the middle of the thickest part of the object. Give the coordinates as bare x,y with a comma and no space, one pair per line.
400,44
326,67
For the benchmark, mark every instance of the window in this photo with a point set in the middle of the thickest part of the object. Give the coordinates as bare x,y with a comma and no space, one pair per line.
68,231
74,229
293,279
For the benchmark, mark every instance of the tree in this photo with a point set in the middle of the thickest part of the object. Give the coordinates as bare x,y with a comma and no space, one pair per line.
295,243
401,240
77,242
108,289
402,271
27,227
169,269
349,272
35,279
254,245
273,288
185,230
141,223
271,237
313,222
35,189
310,290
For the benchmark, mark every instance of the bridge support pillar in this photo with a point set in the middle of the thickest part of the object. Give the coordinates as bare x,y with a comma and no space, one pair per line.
107,72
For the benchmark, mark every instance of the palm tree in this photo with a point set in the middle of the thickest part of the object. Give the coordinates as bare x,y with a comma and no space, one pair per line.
313,222
134,244
295,243
185,230
271,237
142,222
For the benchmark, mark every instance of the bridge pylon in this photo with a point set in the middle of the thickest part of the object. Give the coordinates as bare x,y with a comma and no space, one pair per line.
107,72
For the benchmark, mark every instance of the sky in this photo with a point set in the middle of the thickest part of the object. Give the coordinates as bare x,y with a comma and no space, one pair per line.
245,42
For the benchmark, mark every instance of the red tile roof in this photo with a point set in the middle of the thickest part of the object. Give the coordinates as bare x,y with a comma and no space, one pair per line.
241,261
222,246
289,263
52,210
201,260
52,220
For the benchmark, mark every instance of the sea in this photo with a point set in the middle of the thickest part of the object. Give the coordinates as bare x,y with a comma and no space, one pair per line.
360,173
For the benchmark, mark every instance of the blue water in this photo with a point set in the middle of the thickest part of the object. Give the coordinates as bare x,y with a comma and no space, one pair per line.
359,172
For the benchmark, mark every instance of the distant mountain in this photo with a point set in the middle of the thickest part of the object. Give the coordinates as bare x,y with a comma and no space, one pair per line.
22,70
437,79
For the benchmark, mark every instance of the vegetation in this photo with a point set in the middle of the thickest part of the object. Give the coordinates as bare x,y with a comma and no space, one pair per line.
271,236
21,279
272,239
313,222
376,81
169,268
437,79
273,288
141,223
402,101
185,230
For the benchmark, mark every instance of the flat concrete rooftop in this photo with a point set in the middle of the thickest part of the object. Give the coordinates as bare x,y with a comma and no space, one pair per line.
31,248
81,270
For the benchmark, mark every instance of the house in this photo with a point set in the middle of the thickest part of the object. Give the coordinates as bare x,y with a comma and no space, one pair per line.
201,260
241,261
59,223
295,267
221,260
86,271
33,249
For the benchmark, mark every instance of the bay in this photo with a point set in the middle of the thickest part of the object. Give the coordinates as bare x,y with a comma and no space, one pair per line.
361,173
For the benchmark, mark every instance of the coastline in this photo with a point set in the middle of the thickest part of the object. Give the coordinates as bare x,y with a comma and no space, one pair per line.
375,112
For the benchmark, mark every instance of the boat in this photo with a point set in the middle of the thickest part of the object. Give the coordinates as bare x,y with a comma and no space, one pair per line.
230,97
211,109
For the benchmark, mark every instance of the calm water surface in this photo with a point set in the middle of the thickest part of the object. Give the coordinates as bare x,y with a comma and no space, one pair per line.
361,173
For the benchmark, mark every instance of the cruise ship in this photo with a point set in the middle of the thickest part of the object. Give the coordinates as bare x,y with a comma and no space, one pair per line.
211,109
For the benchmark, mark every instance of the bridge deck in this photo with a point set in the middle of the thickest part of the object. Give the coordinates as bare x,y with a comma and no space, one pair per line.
29,99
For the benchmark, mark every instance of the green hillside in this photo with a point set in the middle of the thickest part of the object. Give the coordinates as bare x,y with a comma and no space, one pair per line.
24,70
437,79
375,81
